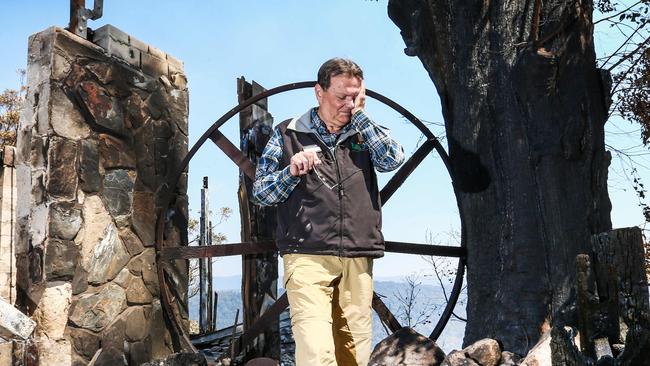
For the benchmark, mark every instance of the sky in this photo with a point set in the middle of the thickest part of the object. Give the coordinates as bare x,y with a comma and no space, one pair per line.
279,42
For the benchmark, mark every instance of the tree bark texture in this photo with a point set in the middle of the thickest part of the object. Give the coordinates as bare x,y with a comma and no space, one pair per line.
524,107
260,271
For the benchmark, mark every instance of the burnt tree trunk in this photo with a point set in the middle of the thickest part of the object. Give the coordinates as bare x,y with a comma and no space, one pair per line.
524,107
260,271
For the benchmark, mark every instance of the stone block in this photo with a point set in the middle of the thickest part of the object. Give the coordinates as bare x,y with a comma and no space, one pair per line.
144,217
65,220
96,220
103,71
153,66
89,176
79,281
179,80
111,356
124,278
85,343
157,52
406,347
13,323
132,242
509,359
104,108
95,311
54,352
141,46
137,324
118,191
62,175
60,66
61,258
136,112
139,352
65,119
109,31
51,314
6,353
115,153
108,257
137,293
175,65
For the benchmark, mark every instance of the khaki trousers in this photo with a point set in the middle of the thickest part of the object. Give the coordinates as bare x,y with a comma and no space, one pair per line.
331,308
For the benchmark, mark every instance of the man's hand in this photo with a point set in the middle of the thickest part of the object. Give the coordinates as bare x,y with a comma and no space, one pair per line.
303,162
360,100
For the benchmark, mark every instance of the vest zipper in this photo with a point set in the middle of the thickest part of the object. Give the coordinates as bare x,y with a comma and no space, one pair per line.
340,189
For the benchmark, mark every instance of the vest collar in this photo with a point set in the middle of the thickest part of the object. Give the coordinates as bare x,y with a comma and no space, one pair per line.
303,124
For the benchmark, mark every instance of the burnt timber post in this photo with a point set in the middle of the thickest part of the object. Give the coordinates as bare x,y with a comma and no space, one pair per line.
259,271
205,265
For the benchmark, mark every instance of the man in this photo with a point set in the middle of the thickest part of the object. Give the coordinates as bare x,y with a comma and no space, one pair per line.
319,170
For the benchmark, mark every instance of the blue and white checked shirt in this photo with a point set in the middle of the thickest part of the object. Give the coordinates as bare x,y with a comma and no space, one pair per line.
273,186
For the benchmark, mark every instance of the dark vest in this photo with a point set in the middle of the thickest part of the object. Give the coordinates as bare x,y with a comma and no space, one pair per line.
335,209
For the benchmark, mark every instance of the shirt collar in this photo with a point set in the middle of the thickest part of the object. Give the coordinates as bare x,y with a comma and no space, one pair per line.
319,125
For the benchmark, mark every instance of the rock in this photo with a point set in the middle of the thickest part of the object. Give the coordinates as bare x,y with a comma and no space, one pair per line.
124,278
85,343
139,352
144,216
65,220
118,191
509,359
96,311
115,153
14,323
79,281
144,154
131,241
485,352
96,221
458,358
406,347
136,325
111,356
36,264
52,311
89,167
108,258
104,109
137,293
113,336
180,359
136,113
65,119
62,177
61,258
54,352
161,340
540,354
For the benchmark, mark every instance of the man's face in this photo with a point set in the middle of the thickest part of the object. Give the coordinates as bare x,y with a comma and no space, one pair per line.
336,103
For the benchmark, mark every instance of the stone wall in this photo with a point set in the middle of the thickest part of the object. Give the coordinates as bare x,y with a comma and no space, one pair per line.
104,128
7,221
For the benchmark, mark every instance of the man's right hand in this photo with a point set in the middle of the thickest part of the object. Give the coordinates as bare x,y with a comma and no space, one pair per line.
303,162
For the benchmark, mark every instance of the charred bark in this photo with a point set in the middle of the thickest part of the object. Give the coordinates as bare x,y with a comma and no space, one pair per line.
524,107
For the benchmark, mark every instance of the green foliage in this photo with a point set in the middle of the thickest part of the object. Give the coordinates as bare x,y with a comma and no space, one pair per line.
11,102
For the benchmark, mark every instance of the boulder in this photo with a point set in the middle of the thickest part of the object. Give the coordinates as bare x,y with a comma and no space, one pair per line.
458,358
406,347
96,311
485,352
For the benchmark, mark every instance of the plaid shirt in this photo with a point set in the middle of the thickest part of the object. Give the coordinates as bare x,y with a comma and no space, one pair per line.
273,185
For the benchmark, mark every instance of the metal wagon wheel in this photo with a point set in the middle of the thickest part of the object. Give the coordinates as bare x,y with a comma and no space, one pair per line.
165,254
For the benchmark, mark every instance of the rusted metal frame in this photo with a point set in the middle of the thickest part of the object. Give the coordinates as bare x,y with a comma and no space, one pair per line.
79,16
222,250
405,171
179,330
384,313
237,157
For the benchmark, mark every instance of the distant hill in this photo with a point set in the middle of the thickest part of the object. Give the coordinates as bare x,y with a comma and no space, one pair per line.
430,300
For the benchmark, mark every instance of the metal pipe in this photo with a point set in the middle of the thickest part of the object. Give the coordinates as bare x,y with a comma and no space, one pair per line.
204,272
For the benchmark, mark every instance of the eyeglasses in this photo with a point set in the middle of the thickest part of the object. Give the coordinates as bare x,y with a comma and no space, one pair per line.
323,180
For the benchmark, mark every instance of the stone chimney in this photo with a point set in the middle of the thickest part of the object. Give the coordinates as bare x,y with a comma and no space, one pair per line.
103,132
